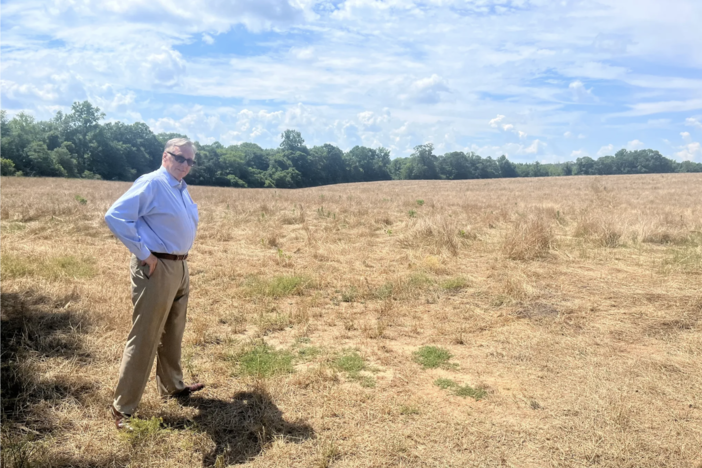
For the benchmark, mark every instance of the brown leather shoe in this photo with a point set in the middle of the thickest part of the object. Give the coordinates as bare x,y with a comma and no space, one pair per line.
188,390
121,419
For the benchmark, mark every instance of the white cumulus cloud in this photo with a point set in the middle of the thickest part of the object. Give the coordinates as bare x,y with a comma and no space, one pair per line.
692,122
607,150
690,152
635,145
579,91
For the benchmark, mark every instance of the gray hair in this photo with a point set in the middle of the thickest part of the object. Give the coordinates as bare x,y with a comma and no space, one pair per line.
179,142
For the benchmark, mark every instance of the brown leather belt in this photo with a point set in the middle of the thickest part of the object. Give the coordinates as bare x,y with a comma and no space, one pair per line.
170,256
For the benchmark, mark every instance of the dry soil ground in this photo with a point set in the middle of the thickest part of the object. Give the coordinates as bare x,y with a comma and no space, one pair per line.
526,323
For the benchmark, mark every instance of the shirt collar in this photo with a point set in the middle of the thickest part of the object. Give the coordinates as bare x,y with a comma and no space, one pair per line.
172,181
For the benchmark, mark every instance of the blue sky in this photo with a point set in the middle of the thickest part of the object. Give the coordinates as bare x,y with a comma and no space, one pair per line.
538,80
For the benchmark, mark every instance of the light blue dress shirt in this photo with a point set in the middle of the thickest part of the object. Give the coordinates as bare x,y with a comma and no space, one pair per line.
156,214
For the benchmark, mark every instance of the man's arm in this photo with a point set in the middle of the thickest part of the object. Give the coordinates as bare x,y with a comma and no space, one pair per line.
122,216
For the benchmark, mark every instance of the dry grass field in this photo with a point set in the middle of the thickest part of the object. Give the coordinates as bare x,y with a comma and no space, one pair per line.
525,323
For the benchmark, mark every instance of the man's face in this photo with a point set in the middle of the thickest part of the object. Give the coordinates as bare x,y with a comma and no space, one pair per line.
175,168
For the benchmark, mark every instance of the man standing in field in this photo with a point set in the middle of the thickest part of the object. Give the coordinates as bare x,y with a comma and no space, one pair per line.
156,219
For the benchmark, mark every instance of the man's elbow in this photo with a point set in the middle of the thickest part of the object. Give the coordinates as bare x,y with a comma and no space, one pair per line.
110,220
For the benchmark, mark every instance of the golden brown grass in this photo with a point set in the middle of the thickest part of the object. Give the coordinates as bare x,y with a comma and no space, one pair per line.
574,305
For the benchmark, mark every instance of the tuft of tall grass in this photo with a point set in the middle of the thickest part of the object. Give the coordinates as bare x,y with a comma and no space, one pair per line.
439,232
529,238
602,230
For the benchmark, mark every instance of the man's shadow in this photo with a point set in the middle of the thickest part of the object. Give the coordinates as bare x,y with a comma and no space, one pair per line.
242,427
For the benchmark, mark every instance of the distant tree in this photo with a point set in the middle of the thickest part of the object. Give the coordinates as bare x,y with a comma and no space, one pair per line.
567,169
585,166
454,166
606,165
7,167
333,165
507,168
422,163
292,141
43,163
397,167
369,164
62,155
81,124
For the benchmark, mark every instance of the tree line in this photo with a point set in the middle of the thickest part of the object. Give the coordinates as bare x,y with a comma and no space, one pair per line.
78,145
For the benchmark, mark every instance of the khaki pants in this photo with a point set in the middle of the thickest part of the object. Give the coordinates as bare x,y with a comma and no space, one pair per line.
158,322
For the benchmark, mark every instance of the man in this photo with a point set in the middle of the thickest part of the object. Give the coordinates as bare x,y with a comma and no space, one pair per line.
156,219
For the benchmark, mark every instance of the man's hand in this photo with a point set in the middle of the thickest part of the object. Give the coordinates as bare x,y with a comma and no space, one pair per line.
152,261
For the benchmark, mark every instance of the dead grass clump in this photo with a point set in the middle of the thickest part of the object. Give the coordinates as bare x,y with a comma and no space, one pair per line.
669,234
316,377
438,232
603,231
512,288
529,238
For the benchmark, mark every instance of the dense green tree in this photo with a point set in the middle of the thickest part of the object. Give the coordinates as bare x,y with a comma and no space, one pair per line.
43,162
585,166
422,164
80,126
333,165
292,141
507,168
62,155
455,165
7,167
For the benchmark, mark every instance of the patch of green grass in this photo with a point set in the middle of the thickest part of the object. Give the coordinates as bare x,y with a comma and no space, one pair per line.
431,357
445,383
81,200
366,381
454,284
385,291
144,430
418,280
412,214
468,391
51,268
409,286
263,361
309,352
409,410
461,390
349,295
278,286
352,363
13,227
686,260
420,202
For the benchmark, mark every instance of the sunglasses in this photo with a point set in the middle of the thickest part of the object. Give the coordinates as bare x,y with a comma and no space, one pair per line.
181,159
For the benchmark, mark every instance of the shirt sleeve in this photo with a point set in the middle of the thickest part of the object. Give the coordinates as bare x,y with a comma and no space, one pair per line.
122,216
